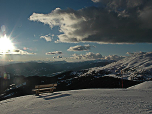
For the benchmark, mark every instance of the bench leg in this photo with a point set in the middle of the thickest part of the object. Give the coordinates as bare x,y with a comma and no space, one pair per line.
51,90
37,93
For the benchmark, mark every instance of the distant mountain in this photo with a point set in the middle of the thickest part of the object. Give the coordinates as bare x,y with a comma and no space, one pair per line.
135,66
48,68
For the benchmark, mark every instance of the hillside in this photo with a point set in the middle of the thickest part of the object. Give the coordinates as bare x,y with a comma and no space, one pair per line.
136,66
48,68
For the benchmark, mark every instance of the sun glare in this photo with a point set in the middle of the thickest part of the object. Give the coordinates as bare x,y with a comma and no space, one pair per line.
6,45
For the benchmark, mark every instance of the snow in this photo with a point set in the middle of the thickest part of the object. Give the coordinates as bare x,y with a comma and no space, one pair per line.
143,86
85,101
139,63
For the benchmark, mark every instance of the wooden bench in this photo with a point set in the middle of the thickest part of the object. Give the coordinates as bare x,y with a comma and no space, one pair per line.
44,88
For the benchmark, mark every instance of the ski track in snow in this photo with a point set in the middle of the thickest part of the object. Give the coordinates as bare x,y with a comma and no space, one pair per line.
93,101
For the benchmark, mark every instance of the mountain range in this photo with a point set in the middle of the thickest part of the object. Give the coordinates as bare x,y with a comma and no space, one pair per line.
49,68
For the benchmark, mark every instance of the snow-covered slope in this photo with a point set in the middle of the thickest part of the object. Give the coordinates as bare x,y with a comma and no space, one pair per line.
86,101
147,85
136,65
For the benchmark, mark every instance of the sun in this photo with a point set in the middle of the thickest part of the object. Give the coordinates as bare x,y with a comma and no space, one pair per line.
6,45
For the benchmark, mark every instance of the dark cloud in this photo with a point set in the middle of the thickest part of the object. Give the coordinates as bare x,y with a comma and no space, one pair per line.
80,48
120,21
121,4
55,52
146,18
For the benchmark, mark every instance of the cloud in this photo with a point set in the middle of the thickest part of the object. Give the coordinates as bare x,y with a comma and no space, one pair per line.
146,17
17,52
80,48
94,56
119,21
48,37
96,1
59,56
136,53
123,4
113,57
55,52
87,56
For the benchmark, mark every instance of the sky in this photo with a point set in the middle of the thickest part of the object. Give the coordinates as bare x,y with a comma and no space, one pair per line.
77,30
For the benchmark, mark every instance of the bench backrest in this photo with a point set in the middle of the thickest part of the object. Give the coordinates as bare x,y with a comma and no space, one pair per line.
45,86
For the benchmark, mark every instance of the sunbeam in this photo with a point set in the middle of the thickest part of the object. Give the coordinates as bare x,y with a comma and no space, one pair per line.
6,45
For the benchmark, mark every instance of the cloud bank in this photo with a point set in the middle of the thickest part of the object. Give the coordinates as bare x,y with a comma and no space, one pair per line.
17,52
80,48
53,53
113,57
117,21
88,55
95,56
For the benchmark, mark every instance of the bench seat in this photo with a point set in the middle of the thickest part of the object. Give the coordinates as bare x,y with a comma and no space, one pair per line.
44,88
